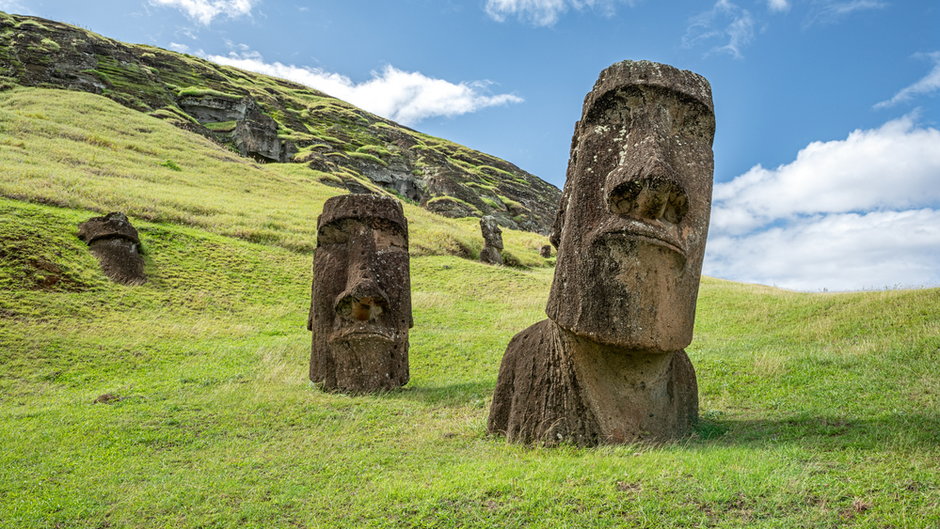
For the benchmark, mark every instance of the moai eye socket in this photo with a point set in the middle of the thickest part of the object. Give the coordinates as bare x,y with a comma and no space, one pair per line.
333,233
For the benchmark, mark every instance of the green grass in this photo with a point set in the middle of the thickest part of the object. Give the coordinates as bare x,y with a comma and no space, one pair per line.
152,170
818,410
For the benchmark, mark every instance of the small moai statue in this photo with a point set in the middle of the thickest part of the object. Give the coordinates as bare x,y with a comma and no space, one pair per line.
608,365
546,251
492,241
360,308
114,241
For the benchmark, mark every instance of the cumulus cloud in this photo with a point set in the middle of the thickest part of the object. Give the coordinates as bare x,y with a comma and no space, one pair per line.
863,212
406,97
205,11
928,84
726,23
545,12
176,46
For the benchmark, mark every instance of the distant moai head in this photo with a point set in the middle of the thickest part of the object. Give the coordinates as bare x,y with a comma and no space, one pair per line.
634,214
361,300
492,241
114,241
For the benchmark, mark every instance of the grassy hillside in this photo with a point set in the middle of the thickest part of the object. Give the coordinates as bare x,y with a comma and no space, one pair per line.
818,410
330,140
80,150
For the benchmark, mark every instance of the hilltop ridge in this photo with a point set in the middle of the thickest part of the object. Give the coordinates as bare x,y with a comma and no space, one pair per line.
274,120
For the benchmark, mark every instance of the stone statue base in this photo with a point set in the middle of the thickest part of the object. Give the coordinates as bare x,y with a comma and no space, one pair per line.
556,387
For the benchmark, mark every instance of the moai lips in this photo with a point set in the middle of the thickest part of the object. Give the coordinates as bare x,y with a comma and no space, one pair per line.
114,241
630,234
360,309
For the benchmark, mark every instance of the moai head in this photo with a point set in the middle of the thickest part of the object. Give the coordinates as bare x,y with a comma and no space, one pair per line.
634,214
492,235
361,302
115,243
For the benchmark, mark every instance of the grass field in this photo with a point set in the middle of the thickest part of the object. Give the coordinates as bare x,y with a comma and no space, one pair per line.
818,410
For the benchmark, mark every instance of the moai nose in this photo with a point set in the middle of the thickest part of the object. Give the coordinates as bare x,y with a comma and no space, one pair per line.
363,301
647,191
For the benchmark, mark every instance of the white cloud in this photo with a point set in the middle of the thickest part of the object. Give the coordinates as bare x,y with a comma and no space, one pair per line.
545,12
929,83
778,5
13,6
176,46
406,97
850,251
204,11
863,212
827,11
725,22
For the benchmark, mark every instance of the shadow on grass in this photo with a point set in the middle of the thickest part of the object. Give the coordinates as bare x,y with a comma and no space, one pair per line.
897,430
461,394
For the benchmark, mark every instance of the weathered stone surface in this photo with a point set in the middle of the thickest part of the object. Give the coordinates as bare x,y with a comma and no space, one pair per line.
114,241
546,251
492,241
608,366
360,309
255,133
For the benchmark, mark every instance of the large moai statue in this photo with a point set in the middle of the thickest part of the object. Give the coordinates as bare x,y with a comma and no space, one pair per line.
114,241
492,252
608,366
360,309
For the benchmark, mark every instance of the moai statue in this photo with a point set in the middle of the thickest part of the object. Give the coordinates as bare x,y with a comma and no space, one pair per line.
492,241
546,251
608,366
115,243
360,308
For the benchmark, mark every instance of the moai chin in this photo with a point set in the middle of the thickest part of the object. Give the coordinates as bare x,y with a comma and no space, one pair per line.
492,241
608,366
360,309
114,241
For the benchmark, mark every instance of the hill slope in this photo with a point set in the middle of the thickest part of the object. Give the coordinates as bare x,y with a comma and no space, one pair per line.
272,119
818,410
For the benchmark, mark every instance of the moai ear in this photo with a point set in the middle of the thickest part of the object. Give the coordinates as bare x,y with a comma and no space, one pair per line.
559,223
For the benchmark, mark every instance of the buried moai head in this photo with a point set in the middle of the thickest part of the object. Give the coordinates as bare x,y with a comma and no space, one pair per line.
492,241
360,309
634,214
115,243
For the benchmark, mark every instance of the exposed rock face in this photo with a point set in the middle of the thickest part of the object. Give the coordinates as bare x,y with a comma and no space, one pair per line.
492,241
114,241
267,118
255,133
608,365
360,309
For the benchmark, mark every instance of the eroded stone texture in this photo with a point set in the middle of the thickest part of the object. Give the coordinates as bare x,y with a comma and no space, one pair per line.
360,309
492,252
114,241
608,365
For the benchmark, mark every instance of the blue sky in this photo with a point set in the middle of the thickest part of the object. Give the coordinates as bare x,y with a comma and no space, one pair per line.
827,150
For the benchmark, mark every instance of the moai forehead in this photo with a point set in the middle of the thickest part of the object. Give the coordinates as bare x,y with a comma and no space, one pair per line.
364,207
112,225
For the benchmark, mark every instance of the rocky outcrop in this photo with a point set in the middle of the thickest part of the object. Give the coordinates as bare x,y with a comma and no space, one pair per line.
275,120
254,133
